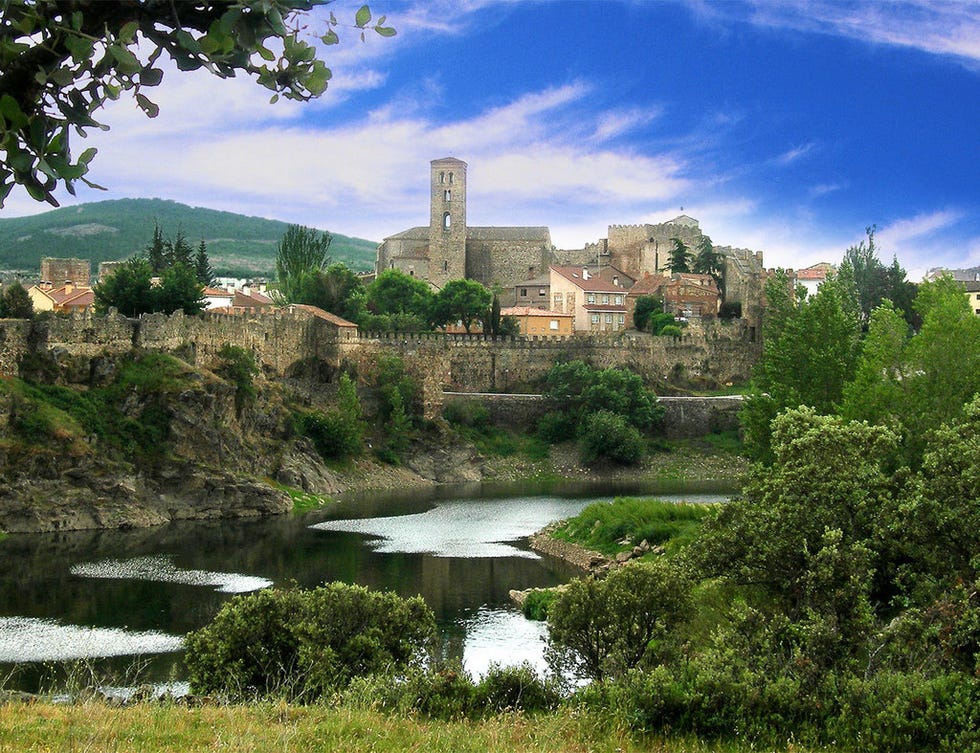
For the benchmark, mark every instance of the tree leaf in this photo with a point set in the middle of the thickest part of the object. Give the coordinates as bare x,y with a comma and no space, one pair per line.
151,76
128,32
363,16
150,108
385,31
330,38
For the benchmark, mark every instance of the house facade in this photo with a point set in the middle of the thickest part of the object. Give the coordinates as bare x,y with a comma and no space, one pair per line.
685,295
541,322
597,305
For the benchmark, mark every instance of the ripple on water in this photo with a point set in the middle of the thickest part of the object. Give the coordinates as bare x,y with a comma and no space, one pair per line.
163,570
29,639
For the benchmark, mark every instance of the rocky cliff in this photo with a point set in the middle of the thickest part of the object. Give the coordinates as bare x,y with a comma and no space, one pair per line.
144,438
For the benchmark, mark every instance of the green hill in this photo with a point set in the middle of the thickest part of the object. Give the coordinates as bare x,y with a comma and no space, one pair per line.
112,230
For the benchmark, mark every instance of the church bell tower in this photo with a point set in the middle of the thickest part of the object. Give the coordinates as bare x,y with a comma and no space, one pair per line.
447,221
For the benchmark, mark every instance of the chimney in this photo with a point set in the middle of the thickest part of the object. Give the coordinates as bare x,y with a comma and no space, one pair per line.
585,273
69,287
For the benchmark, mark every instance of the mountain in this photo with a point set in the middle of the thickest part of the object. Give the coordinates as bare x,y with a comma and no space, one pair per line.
112,230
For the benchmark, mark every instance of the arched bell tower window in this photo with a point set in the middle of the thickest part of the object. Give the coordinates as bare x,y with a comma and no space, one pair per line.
450,178
447,195
446,221
442,177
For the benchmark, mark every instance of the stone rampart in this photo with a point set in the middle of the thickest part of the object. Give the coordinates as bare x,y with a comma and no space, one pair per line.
684,417
460,363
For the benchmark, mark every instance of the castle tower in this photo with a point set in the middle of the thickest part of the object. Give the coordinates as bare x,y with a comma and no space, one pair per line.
447,221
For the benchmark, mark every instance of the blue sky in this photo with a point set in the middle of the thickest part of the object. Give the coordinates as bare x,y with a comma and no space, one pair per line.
783,127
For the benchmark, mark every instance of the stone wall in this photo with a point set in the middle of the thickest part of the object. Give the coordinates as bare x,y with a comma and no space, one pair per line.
506,263
282,342
684,417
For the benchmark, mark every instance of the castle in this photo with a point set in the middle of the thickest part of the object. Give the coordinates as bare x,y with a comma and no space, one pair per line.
505,257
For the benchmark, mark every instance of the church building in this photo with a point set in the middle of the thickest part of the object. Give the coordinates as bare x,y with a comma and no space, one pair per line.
449,249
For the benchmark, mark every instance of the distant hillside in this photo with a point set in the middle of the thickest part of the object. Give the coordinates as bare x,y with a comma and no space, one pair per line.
113,230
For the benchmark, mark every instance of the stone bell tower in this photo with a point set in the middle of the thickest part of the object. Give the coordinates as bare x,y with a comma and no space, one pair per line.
447,221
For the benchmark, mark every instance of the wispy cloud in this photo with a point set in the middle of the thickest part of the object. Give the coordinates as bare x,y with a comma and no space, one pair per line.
939,27
908,229
795,154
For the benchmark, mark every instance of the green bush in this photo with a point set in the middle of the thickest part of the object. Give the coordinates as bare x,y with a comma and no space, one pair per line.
333,434
238,367
466,413
303,644
607,436
604,628
535,606
670,330
556,426
516,688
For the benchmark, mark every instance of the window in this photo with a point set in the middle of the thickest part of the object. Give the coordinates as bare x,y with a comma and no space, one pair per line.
605,299
442,177
553,324
446,221
622,318
590,297
450,178
523,292
595,318
608,318
542,291
445,265
619,300
447,195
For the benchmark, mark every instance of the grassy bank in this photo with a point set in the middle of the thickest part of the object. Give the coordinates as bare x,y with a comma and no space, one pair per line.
260,728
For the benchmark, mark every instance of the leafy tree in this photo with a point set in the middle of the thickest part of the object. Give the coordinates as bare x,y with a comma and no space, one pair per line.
179,290
16,303
202,265
302,253
127,289
680,256
707,261
582,389
61,61
645,306
604,628
463,301
810,348
394,292
306,644
874,282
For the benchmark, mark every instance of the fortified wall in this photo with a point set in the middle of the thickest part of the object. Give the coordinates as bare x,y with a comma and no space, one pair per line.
284,342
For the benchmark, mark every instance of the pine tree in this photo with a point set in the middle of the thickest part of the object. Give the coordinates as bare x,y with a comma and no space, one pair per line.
180,251
156,251
202,265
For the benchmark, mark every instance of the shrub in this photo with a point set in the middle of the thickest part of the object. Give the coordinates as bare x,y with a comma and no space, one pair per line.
238,367
535,606
556,426
333,434
303,644
670,330
604,628
607,436
516,688
466,413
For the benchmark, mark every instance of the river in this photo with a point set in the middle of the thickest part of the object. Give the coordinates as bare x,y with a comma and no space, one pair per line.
106,604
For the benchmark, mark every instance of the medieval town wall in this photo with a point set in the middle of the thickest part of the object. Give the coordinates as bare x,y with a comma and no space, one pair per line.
283,342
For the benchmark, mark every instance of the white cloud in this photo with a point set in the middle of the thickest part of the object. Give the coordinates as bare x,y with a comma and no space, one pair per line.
795,154
939,27
902,231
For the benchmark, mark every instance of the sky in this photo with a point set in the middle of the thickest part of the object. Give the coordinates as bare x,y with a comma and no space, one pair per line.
784,127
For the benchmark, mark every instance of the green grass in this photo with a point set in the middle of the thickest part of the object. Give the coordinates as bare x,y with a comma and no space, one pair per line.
725,441
602,526
262,727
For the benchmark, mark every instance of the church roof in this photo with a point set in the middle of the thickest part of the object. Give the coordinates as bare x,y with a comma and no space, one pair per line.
412,234
540,234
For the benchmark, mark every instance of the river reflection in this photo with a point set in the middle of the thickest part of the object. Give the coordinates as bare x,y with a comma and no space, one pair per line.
109,595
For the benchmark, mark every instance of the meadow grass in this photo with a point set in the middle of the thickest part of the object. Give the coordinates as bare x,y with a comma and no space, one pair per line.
96,727
611,527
